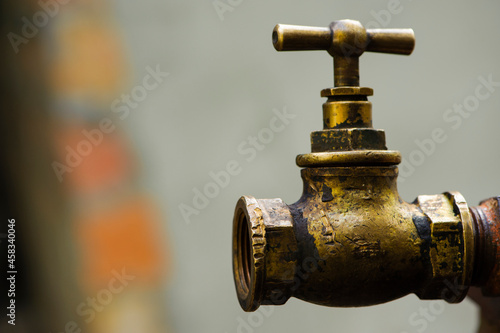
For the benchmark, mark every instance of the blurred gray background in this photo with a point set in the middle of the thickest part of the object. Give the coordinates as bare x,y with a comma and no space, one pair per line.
225,80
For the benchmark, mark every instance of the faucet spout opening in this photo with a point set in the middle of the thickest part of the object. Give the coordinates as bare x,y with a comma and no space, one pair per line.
247,254
264,248
244,255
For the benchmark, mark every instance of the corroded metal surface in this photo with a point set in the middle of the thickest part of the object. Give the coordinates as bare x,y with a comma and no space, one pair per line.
487,219
350,240
451,246
348,139
345,158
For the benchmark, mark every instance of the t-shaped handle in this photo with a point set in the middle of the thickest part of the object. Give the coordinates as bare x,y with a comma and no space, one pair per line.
345,40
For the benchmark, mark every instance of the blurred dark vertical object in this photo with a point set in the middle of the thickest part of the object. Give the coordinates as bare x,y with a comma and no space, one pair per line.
46,288
77,230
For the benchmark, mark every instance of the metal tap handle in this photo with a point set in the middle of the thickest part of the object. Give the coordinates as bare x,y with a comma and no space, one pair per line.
395,41
345,40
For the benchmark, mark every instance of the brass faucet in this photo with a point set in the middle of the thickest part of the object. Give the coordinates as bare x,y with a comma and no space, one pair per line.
351,240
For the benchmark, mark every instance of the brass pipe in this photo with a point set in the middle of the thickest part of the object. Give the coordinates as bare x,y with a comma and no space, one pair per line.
350,240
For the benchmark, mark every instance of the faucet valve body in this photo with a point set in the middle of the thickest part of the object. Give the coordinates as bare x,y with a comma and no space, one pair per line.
350,240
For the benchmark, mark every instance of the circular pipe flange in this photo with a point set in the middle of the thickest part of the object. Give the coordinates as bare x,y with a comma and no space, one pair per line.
460,206
346,91
249,244
351,158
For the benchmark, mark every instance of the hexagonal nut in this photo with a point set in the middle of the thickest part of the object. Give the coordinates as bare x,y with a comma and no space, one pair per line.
452,244
264,251
343,91
348,139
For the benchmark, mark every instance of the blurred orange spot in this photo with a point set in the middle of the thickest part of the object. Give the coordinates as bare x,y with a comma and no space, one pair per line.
108,164
124,236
